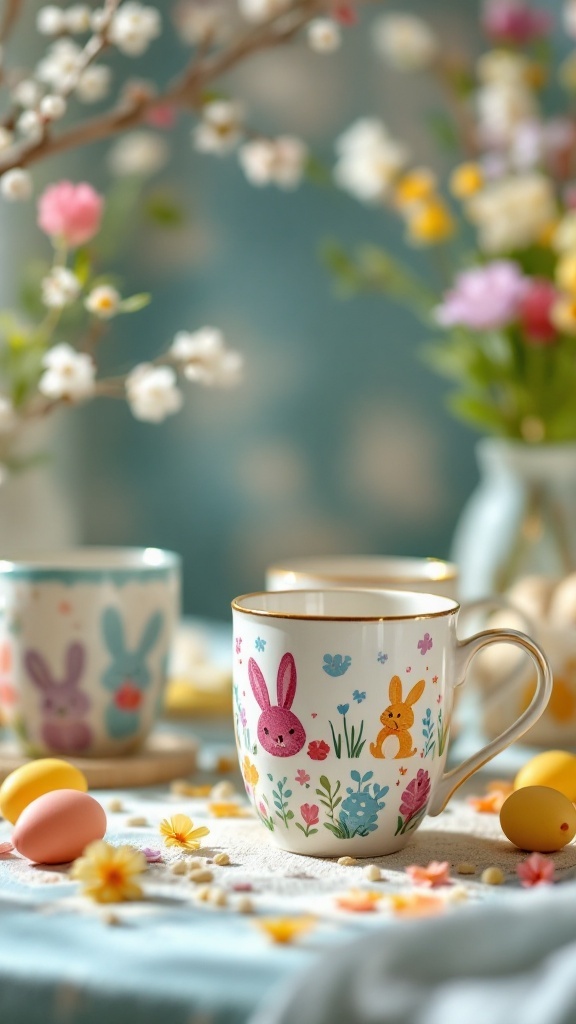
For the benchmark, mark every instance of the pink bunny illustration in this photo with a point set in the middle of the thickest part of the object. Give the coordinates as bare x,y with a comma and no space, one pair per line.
63,704
279,731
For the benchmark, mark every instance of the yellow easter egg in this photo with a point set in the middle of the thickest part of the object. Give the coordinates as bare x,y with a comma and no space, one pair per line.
538,818
553,768
34,779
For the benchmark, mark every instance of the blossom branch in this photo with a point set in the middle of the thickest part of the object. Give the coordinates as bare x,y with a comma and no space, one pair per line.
12,11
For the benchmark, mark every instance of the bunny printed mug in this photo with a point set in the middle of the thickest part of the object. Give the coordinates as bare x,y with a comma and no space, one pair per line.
342,705
84,642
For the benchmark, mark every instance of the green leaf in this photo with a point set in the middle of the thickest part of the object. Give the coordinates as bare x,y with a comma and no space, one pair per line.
478,411
164,210
82,265
325,783
443,128
135,302
317,172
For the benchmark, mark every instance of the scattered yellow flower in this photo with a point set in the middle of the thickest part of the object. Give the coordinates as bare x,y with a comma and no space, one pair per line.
429,222
284,930
466,179
180,831
415,186
563,314
360,901
249,771
224,765
180,787
108,873
415,904
566,272
227,809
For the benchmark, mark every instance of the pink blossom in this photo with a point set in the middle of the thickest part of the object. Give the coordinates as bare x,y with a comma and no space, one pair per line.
535,312
484,298
434,874
416,794
535,870
310,813
302,777
5,849
70,212
163,115
513,22
152,856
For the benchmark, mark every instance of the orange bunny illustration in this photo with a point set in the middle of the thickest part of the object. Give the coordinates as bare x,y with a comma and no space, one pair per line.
397,720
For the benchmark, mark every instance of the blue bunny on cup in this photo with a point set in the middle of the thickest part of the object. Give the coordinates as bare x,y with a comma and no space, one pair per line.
128,675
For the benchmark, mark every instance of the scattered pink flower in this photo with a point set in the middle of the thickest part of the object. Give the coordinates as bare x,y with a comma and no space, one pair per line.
512,22
535,870
5,849
152,856
70,212
535,312
416,794
484,298
310,813
302,777
434,874
318,750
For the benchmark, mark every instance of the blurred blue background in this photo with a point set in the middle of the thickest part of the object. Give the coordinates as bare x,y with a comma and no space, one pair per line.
338,440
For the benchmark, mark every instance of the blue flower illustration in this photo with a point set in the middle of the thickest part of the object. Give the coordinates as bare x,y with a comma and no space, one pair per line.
359,696
259,643
343,708
382,658
336,664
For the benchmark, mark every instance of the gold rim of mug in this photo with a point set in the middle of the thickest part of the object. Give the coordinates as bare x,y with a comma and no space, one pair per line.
262,613
450,572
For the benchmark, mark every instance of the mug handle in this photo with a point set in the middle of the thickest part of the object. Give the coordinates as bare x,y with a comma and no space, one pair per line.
465,651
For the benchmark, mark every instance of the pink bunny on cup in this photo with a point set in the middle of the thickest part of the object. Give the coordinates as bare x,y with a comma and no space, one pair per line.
279,731
63,704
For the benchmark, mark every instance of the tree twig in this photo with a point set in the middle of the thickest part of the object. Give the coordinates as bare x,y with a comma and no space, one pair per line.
10,15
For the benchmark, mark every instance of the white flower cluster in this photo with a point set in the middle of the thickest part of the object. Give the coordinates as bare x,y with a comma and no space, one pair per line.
68,374
138,154
505,100
278,161
405,41
220,129
513,212
205,359
369,160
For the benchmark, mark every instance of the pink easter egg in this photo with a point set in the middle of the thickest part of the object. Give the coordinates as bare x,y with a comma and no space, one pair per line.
57,827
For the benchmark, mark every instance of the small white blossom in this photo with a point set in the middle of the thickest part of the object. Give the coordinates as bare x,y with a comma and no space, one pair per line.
103,301
30,124
502,108
513,212
220,129
261,10
139,153
278,161
133,27
324,35
99,20
68,374
7,415
369,160
16,185
93,83
195,20
60,66
405,41
152,392
6,139
503,67
50,20
53,107
205,357
77,18
27,93
59,288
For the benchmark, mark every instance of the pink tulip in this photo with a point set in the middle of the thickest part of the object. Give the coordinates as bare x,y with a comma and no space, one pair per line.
71,213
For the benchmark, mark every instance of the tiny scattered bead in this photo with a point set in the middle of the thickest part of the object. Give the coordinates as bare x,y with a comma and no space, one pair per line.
465,868
109,917
179,867
347,862
136,822
372,872
115,806
492,876
222,790
195,864
218,896
457,894
203,893
221,859
244,905
200,875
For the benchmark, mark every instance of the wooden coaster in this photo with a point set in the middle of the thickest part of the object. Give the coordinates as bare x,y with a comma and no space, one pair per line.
164,756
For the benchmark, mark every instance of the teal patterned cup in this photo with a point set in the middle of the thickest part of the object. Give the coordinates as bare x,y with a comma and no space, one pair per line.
342,703
84,642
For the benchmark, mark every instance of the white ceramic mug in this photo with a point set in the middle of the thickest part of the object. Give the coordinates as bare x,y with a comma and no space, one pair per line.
84,642
343,702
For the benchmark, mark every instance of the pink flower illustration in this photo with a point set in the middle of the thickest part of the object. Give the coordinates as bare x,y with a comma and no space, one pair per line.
302,777
243,718
70,212
238,645
318,750
263,809
310,813
425,644
535,870
416,794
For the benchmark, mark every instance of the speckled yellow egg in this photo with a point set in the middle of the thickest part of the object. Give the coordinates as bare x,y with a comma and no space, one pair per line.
32,780
553,768
538,818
